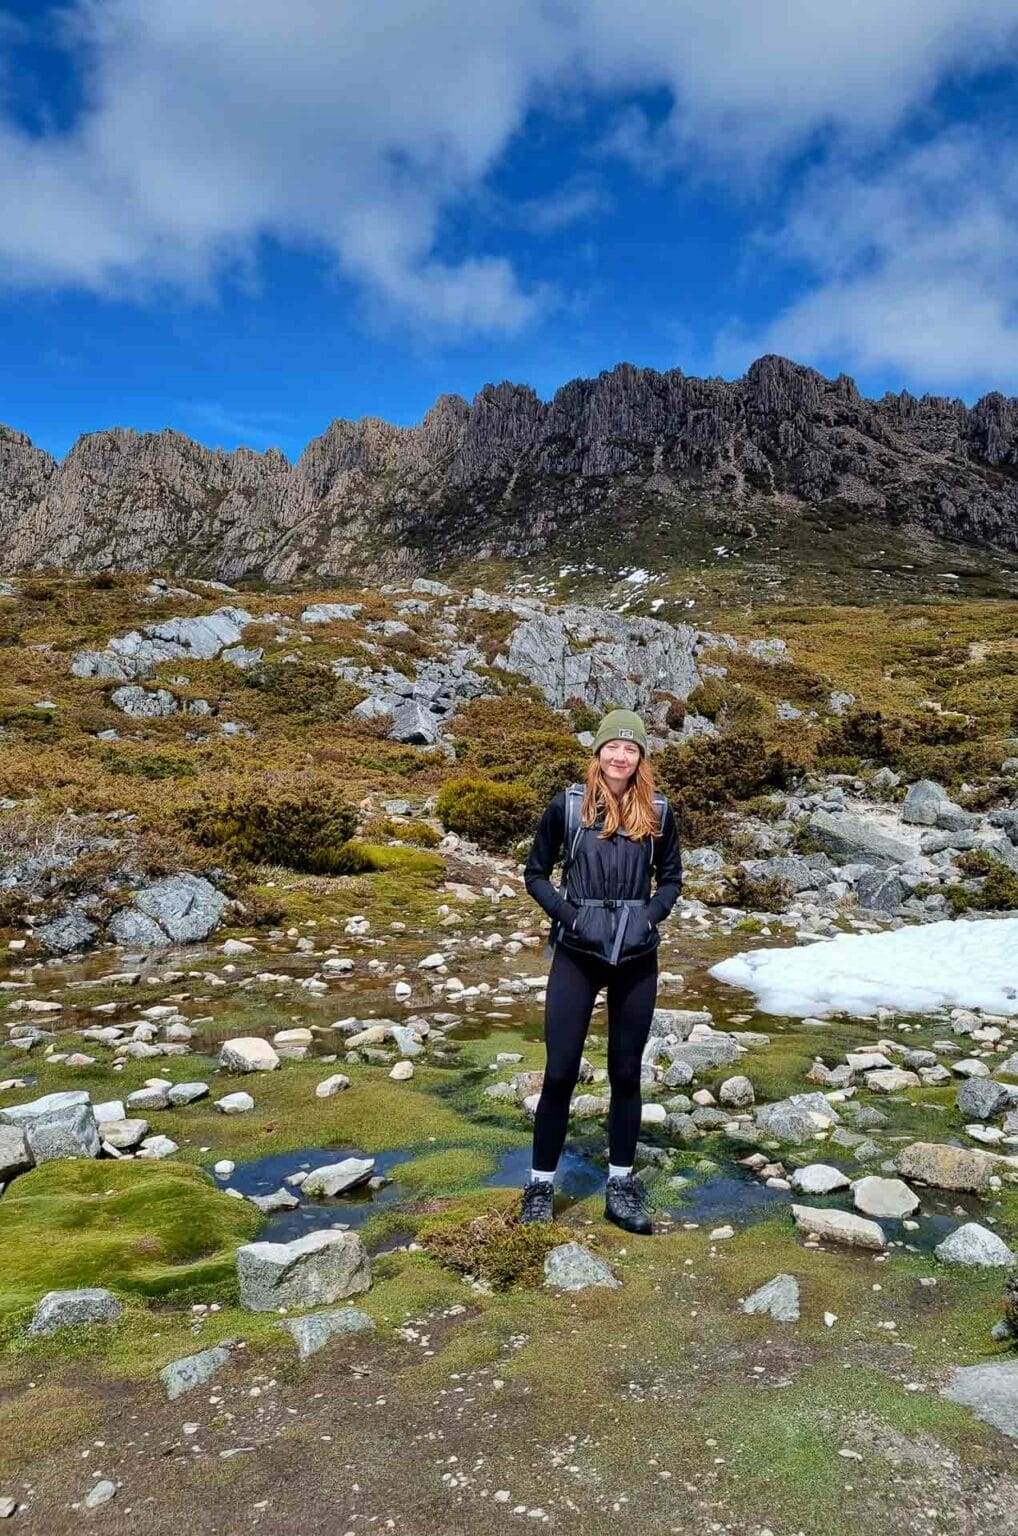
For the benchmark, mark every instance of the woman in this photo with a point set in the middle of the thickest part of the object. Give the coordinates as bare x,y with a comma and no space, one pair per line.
613,833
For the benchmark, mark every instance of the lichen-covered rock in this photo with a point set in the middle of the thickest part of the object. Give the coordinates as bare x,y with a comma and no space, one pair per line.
192,1371
74,1309
69,932
57,1125
779,1299
312,1333
976,1245
980,1098
571,1267
946,1167
144,703
187,907
312,1271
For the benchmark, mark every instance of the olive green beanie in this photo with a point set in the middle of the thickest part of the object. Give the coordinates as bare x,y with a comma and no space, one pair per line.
621,725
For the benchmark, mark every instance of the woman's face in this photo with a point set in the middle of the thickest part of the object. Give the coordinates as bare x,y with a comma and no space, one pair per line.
619,759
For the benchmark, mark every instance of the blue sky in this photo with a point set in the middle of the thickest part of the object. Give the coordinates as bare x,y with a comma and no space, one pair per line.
242,218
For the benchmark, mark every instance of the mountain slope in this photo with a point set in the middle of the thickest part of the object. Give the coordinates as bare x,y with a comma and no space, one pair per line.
508,475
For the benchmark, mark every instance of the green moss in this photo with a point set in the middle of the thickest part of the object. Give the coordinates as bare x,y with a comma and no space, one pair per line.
402,860
154,1229
446,1171
51,1416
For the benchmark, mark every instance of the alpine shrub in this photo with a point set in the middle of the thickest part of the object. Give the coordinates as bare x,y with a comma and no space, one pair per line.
491,815
302,827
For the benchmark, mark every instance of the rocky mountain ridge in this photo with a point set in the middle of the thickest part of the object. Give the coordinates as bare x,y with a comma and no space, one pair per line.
507,473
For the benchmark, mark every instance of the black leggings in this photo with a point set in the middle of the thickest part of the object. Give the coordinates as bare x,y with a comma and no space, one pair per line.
573,983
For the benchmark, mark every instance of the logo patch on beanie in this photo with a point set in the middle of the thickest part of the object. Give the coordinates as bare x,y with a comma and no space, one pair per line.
625,734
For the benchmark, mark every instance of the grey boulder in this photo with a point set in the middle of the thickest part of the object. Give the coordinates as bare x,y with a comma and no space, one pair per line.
312,1271
123,1135
980,1098
311,1333
990,1390
15,1157
922,803
180,909
973,1244
848,837
818,1179
187,1093
143,703
69,932
571,1267
336,1178
779,1298
72,1309
192,1371
57,1125
946,1167
876,1196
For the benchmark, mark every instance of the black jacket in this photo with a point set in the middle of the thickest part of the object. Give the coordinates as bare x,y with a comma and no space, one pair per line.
614,869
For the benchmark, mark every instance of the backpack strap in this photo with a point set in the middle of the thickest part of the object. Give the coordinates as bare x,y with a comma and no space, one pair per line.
570,838
573,830
661,806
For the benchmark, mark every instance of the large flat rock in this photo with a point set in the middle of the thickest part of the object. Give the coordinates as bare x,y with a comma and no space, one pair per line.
946,1167
839,1226
990,1390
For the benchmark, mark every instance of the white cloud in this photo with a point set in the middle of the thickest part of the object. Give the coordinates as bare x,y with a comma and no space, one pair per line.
915,267
354,130
343,128
754,78
578,199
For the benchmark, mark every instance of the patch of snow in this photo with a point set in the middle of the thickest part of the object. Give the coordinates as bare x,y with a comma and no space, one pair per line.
914,969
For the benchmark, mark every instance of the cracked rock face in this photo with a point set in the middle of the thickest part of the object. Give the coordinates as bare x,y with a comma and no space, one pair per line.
189,639
181,909
504,473
602,657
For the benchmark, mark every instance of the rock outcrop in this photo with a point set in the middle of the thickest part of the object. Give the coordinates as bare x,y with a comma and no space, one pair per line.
506,473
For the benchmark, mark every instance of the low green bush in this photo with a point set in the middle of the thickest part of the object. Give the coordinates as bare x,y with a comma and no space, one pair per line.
301,827
546,779
148,765
491,815
761,895
582,715
305,688
714,774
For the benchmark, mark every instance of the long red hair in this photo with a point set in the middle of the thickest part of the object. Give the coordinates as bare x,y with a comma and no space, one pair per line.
633,811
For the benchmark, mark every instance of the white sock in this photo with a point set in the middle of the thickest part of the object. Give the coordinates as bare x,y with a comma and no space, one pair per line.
617,1172
538,1173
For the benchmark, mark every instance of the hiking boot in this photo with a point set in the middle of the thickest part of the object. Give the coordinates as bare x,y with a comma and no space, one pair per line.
625,1203
538,1201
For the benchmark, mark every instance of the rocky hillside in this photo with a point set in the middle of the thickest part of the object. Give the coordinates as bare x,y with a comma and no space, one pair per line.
509,475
